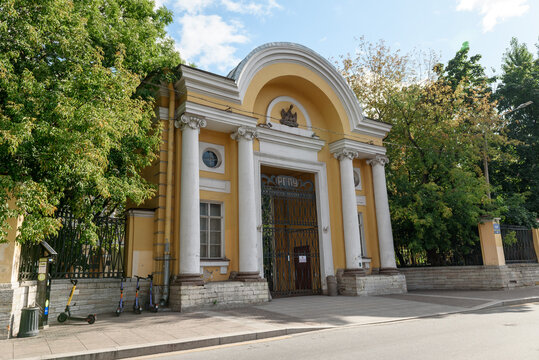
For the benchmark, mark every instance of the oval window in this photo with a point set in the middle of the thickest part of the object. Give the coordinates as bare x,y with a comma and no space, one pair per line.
356,179
210,159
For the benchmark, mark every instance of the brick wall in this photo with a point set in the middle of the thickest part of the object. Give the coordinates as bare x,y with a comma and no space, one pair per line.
221,293
92,296
471,277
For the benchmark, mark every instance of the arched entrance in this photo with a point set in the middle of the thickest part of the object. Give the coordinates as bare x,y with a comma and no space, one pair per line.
290,233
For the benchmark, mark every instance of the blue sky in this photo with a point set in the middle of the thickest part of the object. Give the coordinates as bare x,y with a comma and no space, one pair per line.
217,34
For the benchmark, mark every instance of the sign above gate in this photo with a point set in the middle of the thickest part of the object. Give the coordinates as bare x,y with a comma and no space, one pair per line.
287,181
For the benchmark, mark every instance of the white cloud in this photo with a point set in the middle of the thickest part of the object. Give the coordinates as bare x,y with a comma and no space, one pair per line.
208,40
206,36
494,11
251,7
192,6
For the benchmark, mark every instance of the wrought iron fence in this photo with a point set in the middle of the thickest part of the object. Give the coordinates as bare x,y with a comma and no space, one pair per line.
518,244
455,257
78,258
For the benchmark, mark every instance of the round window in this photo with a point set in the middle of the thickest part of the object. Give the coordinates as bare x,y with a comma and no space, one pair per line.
211,159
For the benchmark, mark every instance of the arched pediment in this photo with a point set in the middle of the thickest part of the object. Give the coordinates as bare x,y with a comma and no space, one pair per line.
286,52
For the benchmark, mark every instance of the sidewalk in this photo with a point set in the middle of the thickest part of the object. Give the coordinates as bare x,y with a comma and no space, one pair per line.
136,335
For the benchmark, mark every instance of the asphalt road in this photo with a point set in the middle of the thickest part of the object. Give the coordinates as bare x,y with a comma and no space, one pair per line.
501,333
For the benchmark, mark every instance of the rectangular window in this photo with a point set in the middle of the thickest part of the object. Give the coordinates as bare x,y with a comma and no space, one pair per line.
211,230
362,234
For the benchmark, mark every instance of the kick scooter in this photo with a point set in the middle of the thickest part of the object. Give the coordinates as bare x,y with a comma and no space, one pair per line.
120,308
90,319
151,306
137,309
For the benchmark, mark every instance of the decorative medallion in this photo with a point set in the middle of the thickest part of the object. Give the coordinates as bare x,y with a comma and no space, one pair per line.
289,119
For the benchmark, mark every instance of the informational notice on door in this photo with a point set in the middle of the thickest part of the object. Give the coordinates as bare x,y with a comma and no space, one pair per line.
302,258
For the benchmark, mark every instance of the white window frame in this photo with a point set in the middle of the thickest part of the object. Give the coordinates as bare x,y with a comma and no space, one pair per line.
222,217
219,150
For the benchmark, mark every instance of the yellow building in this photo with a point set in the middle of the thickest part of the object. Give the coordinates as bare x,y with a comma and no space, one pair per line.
268,178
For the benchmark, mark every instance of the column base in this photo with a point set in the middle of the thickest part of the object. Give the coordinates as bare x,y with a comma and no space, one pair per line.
354,272
188,279
389,271
252,276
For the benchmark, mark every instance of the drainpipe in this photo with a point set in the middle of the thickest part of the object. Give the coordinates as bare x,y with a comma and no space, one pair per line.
168,195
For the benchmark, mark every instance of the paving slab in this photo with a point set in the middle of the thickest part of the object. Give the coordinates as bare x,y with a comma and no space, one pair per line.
131,335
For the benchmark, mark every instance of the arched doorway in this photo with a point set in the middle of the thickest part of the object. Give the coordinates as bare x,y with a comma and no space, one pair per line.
290,233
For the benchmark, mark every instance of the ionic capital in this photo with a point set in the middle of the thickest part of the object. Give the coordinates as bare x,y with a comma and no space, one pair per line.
243,132
192,121
378,160
346,154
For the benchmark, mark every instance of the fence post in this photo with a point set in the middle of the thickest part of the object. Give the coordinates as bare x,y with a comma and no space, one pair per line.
535,234
491,242
10,252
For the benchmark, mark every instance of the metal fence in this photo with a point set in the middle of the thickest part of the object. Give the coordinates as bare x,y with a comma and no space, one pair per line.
518,244
456,257
78,258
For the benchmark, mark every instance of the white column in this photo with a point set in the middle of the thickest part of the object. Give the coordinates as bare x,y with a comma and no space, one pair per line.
190,199
248,236
352,240
383,219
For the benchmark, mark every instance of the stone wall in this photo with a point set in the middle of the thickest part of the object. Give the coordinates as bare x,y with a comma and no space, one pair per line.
217,294
471,277
371,285
92,296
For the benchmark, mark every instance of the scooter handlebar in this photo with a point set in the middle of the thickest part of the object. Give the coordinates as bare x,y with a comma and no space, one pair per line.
74,281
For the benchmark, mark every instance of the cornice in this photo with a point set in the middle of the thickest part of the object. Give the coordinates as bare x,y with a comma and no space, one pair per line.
206,83
217,119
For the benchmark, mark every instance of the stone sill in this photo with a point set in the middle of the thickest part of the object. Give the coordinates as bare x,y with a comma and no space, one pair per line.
221,263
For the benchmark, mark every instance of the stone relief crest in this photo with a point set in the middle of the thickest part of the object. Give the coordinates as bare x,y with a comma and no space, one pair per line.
288,118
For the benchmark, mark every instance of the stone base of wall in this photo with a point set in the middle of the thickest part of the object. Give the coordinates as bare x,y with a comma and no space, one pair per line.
472,277
92,296
217,294
372,285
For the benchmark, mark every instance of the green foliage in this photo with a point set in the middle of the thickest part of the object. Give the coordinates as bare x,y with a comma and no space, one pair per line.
510,238
436,188
517,176
73,132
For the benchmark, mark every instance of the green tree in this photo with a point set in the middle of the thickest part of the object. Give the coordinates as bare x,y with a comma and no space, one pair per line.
436,188
73,131
518,176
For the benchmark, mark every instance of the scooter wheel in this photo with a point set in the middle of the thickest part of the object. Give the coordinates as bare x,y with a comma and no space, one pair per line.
62,317
138,310
118,311
90,319
154,308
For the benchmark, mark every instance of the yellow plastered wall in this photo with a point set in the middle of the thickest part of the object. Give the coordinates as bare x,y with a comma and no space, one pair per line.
139,246
369,213
229,201
10,251
329,122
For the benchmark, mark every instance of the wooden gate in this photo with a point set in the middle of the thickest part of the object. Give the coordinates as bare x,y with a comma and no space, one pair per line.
290,236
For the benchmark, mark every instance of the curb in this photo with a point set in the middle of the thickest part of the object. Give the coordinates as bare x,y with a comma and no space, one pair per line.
172,346
500,303
175,345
